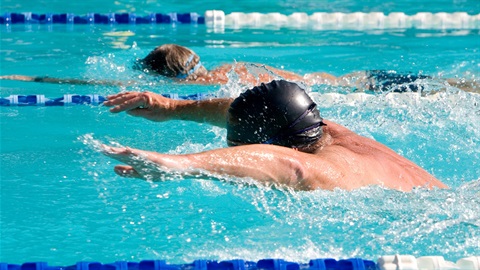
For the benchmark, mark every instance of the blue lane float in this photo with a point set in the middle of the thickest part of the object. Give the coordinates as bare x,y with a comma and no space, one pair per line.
96,18
388,262
266,264
73,99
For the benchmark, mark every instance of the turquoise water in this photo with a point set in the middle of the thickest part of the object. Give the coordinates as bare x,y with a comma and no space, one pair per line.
62,203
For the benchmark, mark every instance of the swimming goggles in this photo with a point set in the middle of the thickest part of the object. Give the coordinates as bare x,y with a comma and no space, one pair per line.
192,70
287,132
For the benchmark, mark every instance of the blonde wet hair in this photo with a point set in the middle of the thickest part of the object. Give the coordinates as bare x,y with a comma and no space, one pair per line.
172,60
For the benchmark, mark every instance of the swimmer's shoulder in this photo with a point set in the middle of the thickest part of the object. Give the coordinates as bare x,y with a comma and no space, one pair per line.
215,76
336,130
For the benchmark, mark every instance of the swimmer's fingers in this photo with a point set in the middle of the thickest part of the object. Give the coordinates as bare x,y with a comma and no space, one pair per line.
18,78
122,154
134,157
118,98
128,101
149,105
119,101
126,171
133,103
137,165
145,173
113,151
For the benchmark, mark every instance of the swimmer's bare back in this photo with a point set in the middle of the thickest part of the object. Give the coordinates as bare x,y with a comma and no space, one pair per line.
262,74
359,161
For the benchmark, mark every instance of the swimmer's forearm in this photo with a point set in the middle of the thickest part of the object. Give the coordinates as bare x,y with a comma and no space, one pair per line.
212,111
467,86
320,78
158,108
45,79
266,164
78,81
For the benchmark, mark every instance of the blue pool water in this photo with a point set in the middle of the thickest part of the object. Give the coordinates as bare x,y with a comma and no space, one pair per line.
62,203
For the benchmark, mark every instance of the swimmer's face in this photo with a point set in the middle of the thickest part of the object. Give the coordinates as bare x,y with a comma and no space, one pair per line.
308,148
308,144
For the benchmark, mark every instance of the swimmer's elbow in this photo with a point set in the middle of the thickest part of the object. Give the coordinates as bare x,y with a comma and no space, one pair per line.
296,175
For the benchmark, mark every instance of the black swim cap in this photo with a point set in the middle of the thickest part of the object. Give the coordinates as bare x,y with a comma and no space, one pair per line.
278,112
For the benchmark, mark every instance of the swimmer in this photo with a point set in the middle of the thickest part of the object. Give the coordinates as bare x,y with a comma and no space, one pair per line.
276,136
183,65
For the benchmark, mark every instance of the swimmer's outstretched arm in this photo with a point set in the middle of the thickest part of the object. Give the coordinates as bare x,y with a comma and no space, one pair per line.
158,108
268,164
44,79
467,86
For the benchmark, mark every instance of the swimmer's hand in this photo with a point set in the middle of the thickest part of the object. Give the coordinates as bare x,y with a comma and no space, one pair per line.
158,108
19,78
149,105
140,164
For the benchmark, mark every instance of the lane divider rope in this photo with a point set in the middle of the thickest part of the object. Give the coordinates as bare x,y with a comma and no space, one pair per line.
74,99
218,19
95,18
389,262
328,99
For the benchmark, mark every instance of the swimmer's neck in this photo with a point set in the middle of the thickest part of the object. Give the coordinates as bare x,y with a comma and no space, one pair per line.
325,140
318,146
